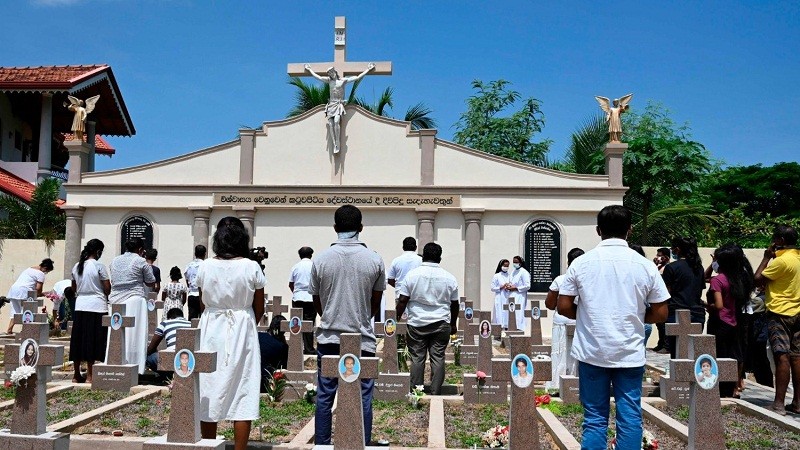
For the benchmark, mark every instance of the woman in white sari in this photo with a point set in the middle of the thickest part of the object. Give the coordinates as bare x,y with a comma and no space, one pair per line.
500,284
519,285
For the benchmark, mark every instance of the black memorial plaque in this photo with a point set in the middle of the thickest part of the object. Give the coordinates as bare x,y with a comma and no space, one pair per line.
137,227
543,253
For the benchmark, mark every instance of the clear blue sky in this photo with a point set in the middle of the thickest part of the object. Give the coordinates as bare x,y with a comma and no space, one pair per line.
193,72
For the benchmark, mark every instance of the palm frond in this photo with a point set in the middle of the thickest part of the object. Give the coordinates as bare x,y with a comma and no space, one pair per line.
585,153
670,221
419,116
308,96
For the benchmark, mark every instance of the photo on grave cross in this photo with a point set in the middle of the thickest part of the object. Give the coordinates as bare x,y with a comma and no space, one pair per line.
184,363
151,305
116,321
390,327
522,370
30,353
468,313
706,371
27,316
486,329
349,367
294,325
536,313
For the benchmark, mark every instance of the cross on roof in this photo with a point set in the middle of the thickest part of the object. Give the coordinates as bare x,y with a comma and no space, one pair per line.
485,351
340,63
295,361
116,342
523,404
29,416
682,328
185,389
536,324
705,418
348,408
390,340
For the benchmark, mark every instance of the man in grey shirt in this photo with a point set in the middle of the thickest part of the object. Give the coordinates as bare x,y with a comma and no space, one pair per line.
347,283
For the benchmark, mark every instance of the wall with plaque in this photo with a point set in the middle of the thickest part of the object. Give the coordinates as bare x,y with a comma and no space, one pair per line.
543,253
136,227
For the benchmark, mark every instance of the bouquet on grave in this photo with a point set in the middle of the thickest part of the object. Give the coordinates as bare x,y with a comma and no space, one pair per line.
21,374
456,343
417,392
495,437
311,392
275,384
649,442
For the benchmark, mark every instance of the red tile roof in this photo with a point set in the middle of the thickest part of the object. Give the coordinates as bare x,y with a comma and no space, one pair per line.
100,145
53,77
16,186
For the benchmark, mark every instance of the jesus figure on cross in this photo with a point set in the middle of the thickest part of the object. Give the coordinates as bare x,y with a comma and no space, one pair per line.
334,110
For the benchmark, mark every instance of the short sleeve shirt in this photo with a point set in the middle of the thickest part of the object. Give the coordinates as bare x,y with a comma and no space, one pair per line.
783,288
430,290
129,272
400,267
168,329
301,277
191,276
90,294
558,319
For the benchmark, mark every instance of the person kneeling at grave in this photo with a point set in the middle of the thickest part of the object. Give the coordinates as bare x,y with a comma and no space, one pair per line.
167,329
431,295
274,350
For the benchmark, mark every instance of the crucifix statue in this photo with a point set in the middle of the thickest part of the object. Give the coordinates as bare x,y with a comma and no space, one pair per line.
339,73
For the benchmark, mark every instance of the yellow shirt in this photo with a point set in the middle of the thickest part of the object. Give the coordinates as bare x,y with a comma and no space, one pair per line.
783,287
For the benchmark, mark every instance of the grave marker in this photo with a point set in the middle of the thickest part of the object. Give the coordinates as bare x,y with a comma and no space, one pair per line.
115,374
535,314
391,384
296,375
487,390
349,415
568,385
184,418
523,432
675,392
706,429
152,316
512,308
463,321
30,311
485,350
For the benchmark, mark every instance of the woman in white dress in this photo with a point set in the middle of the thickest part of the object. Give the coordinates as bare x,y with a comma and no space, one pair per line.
519,285
31,279
562,361
129,274
232,296
501,281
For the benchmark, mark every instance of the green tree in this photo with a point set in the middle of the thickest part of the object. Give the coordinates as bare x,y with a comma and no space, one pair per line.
585,152
758,190
41,219
480,126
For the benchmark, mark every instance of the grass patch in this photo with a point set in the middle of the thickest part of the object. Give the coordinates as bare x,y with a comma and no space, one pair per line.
400,423
560,409
7,393
466,423
455,374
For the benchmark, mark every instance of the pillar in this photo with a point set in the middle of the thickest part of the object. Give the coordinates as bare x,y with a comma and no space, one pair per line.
247,214
72,237
426,220
613,153
45,138
91,139
472,254
427,145
247,139
78,157
200,228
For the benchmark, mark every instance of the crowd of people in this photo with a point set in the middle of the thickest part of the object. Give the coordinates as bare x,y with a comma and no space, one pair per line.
612,295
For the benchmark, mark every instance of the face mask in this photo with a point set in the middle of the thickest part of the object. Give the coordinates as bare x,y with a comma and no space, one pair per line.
715,267
516,265
504,268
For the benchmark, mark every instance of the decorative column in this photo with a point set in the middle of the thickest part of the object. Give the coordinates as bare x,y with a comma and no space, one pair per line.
247,214
78,157
200,226
613,153
247,139
45,138
472,254
72,237
91,139
426,219
427,145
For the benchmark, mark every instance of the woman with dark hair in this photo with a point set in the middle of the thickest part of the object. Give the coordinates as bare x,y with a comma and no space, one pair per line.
31,279
274,349
685,280
91,285
174,294
519,285
232,296
29,357
500,282
727,297
130,273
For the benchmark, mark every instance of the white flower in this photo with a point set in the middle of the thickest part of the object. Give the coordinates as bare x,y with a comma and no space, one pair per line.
310,387
419,387
21,373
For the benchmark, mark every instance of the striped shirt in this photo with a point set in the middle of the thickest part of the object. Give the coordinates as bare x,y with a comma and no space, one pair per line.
168,330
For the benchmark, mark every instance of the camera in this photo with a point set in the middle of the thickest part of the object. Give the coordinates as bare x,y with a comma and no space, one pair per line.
259,254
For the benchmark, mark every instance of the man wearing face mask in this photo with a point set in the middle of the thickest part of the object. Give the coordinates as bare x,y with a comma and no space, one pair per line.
779,272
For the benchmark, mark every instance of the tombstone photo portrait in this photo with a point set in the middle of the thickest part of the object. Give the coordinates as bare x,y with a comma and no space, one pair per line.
512,306
184,363
522,371
27,316
486,329
349,367
468,313
30,353
706,370
535,313
151,305
116,321
294,325
390,327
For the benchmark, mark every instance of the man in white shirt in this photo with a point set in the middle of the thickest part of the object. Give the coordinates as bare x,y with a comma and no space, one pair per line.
431,295
402,265
608,291
190,274
299,280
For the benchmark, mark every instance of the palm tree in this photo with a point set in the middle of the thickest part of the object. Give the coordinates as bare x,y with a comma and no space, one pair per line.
310,96
585,152
41,219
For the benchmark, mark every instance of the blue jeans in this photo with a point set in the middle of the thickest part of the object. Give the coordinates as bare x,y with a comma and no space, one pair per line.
648,330
326,393
595,389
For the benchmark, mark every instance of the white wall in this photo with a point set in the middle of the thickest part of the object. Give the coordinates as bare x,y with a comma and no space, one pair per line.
18,255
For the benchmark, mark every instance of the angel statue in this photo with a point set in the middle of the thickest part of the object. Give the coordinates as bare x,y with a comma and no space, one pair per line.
334,110
613,115
81,110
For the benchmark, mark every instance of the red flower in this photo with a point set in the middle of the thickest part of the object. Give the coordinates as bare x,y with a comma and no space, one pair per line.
8,383
542,400
481,375
278,375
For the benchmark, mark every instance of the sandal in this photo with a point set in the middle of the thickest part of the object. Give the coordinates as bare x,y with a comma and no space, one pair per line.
790,409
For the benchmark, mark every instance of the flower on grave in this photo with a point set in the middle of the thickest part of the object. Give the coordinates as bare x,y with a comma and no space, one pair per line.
278,375
311,392
542,399
8,384
417,392
274,385
495,437
649,442
21,373
481,375
456,343
52,296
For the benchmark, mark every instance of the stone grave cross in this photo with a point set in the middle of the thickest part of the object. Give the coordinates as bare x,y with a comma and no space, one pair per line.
116,373
389,356
29,416
568,385
32,304
522,434
116,342
152,316
511,308
485,351
186,388
705,416
463,321
295,361
349,415
340,63
682,328
536,323
277,308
